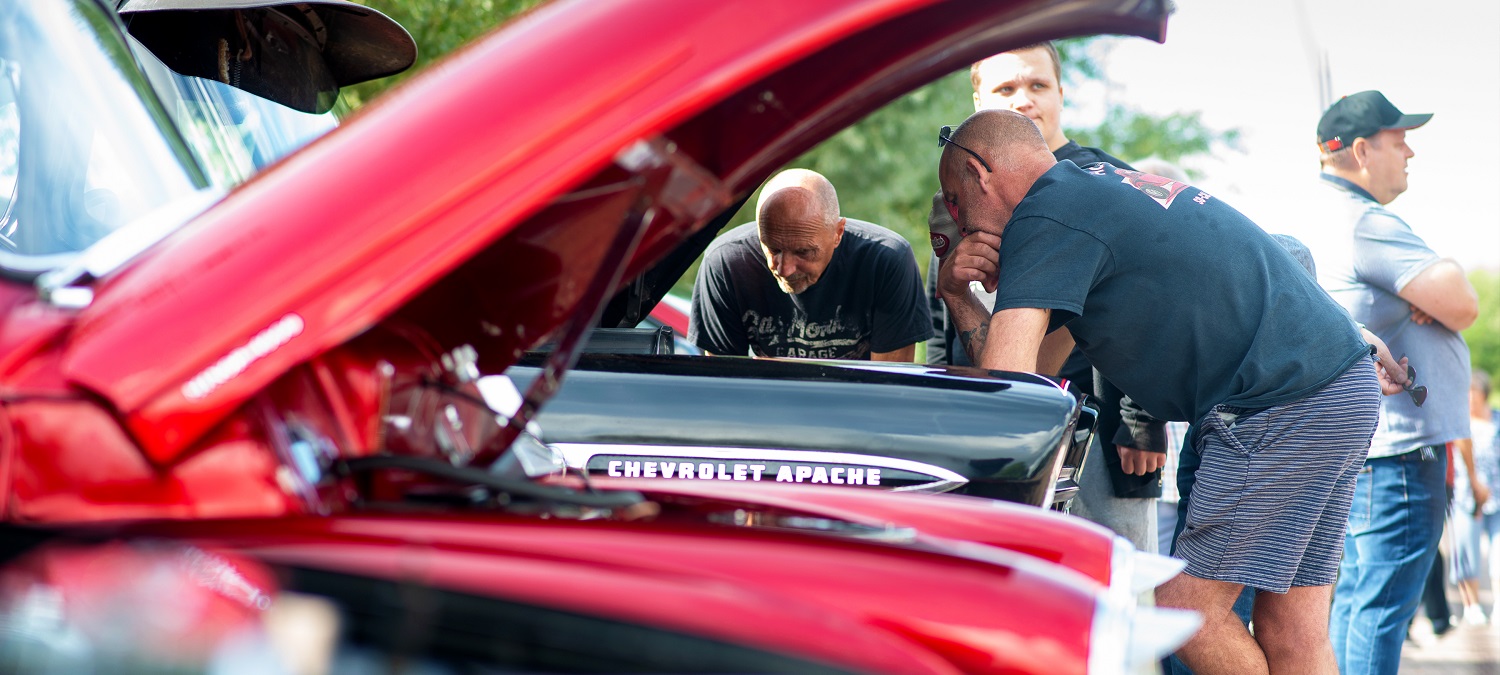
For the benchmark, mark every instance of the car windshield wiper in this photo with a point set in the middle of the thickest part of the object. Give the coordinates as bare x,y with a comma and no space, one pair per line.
438,468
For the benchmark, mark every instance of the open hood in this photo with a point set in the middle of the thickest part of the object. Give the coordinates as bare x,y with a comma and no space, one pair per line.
576,147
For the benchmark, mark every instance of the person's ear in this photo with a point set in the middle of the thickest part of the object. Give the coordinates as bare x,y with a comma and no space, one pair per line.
976,99
974,167
1360,149
840,228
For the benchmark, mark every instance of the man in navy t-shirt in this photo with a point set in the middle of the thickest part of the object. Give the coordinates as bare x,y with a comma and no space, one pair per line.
1197,315
1119,489
805,282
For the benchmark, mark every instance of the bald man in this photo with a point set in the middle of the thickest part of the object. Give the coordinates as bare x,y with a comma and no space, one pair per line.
1198,315
802,281
1118,491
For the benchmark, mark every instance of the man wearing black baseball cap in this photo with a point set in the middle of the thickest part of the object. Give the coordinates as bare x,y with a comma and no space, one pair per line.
1387,277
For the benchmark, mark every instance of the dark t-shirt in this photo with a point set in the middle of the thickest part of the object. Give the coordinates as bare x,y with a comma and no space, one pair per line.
1173,295
1121,420
869,299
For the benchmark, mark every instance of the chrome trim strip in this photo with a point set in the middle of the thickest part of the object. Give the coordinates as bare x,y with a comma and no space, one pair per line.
577,456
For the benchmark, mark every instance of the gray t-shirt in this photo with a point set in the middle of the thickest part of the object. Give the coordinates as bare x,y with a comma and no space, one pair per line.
1371,257
869,299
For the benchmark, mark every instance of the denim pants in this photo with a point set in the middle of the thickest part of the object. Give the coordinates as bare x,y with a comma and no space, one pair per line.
1389,546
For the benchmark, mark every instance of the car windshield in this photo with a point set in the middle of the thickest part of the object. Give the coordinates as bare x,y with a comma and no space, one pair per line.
232,132
96,133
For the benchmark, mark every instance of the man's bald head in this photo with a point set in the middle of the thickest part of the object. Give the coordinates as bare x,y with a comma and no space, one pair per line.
799,189
1002,137
799,225
982,198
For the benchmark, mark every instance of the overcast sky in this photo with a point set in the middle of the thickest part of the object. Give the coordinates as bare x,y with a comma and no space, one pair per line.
1254,66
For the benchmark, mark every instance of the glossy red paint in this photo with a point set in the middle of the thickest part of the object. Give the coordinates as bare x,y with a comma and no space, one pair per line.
672,311
339,236
472,207
690,577
1072,542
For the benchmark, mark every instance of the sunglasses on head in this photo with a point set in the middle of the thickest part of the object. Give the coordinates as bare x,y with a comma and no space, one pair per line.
945,137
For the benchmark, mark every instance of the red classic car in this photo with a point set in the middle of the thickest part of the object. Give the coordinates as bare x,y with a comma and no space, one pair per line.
269,398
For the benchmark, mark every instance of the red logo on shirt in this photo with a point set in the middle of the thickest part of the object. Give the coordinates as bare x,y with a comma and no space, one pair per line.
1163,190
939,244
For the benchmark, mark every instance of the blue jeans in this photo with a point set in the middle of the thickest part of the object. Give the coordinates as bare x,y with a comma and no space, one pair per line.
1388,551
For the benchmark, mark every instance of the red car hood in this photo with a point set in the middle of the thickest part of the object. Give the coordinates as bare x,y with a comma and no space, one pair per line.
1072,542
676,109
786,590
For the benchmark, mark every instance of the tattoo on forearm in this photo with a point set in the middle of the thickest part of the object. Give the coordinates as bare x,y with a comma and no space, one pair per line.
973,340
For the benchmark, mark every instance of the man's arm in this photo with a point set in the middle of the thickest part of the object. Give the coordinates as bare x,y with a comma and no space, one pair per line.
901,307
713,325
937,345
1481,491
1054,350
904,354
1391,371
1141,440
976,258
1443,292
1015,340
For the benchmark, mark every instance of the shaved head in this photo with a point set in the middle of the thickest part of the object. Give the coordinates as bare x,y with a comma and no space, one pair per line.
799,225
982,198
799,189
1001,137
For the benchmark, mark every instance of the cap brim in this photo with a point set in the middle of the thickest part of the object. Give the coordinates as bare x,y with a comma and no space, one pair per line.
1410,121
363,44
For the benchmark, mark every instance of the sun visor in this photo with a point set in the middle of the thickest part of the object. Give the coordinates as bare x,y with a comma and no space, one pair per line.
297,54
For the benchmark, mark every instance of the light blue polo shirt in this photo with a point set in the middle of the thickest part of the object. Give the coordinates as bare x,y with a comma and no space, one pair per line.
1374,256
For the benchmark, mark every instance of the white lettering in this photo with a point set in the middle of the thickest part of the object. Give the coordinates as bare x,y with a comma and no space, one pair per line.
803,473
838,478
687,470
784,474
705,471
820,475
234,363
739,472
757,468
632,469
722,475
650,469
856,476
614,468
668,468
874,477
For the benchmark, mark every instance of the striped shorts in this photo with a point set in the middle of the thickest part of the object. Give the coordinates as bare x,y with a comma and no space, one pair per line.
1271,497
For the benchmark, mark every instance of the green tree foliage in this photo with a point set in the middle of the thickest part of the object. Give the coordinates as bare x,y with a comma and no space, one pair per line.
1133,135
1484,336
885,166
438,27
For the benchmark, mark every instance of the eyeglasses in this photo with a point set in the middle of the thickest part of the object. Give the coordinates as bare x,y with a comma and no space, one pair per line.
1417,392
945,137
